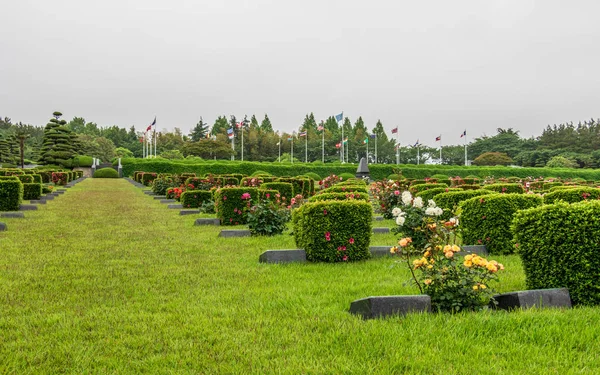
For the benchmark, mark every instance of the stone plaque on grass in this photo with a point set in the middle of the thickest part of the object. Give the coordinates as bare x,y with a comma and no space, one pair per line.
382,230
207,221
383,306
12,215
3,227
540,298
283,256
227,233
28,207
189,212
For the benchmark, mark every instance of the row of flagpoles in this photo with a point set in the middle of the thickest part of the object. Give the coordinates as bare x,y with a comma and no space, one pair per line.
342,145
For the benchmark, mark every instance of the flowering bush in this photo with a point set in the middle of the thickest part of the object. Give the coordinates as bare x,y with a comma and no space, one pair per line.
413,216
387,195
454,284
267,218
329,181
60,178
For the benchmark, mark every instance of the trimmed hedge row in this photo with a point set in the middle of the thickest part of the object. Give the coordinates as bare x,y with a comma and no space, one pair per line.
430,193
334,231
344,189
414,189
558,246
32,191
11,195
285,189
195,198
505,188
450,201
230,206
573,195
486,220
339,196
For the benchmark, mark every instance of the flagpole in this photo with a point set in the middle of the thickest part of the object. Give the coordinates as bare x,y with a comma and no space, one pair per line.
375,148
398,144
440,149
154,136
306,147
232,146
465,133
323,143
242,141
418,153
292,158
144,146
279,158
343,147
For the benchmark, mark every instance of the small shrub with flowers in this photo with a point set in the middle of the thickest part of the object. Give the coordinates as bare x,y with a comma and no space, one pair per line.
162,184
334,231
284,188
572,195
251,181
175,193
147,178
387,194
412,215
269,216
329,181
232,204
453,283
339,196
506,188
60,178
195,198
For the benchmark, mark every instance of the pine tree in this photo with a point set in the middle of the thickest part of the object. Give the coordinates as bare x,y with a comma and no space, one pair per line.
220,126
265,125
200,131
57,148
5,154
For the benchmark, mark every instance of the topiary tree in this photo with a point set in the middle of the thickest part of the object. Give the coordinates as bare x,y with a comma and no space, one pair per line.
561,162
493,158
57,144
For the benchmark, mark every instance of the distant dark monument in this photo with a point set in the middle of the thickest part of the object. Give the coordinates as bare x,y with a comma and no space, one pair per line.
363,169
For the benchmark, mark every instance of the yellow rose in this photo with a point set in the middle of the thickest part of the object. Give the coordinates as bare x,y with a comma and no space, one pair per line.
405,241
427,281
429,267
427,253
449,254
469,257
447,248
475,287
455,248
467,263
482,286
393,249
492,268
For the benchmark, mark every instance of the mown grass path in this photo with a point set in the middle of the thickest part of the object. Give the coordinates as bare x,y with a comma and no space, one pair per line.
107,280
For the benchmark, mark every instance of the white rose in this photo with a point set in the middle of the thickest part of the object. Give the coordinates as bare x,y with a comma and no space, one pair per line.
431,203
430,211
396,211
438,211
406,198
418,202
400,220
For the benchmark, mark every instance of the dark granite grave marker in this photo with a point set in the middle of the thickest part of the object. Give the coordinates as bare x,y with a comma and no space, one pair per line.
12,215
189,212
381,230
383,306
546,298
207,221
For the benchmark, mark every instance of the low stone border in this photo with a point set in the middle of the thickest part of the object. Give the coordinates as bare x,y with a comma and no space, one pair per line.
149,192
160,197
382,230
167,200
38,201
380,251
383,306
189,212
175,206
48,197
378,218
207,221
12,214
3,227
227,233
28,207
540,298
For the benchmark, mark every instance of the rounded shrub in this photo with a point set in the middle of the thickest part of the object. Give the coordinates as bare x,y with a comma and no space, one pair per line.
194,198
549,185
430,193
313,175
344,189
557,251
486,220
106,173
505,188
573,195
25,178
147,178
260,173
285,189
422,187
231,204
334,231
11,195
556,188
32,191
339,196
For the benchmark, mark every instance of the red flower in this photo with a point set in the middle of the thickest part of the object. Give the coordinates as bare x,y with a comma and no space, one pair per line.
324,212
327,236
345,258
351,241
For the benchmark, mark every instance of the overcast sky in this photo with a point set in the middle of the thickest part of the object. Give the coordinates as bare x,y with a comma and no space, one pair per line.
429,67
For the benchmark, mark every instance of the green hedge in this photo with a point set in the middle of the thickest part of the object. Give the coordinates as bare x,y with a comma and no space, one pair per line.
550,185
339,196
486,220
422,187
450,201
348,224
573,195
268,194
229,205
11,195
60,178
147,178
251,181
426,195
37,178
505,188
9,178
26,178
32,191
556,188
344,189
106,173
195,198
285,189
301,185
558,247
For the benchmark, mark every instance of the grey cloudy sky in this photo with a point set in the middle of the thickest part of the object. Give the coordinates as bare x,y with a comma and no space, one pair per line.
429,67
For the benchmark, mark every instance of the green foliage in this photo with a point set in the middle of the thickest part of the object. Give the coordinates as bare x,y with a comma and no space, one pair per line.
505,188
260,173
32,191
60,178
266,218
576,194
106,173
231,203
313,175
339,196
25,178
414,189
82,161
492,158
486,220
334,231
195,198
450,201
147,178
549,185
558,246
285,189
428,194
561,162
301,185
344,189
346,176
11,195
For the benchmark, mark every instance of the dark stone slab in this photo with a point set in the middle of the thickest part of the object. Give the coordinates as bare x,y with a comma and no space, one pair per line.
149,192
60,192
12,215
378,218
283,256
167,200
174,206
383,306
160,197
37,201
3,227
380,251
189,212
28,207
48,197
480,250
227,233
68,186
526,299
207,221
383,230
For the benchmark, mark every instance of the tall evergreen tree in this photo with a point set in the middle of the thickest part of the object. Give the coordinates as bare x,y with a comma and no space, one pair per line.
200,131
57,148
266,125
220,126
254,123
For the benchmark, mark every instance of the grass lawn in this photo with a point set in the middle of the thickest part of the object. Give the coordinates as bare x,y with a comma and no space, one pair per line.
104,279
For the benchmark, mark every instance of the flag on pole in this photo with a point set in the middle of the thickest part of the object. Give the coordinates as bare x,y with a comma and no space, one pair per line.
239,124
142,140
395,130
290,138
366,140
302,134
416,143
346,140
230,133
151,125
438,138
338,145
373,135
464,134
339,117
320,127
278,143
